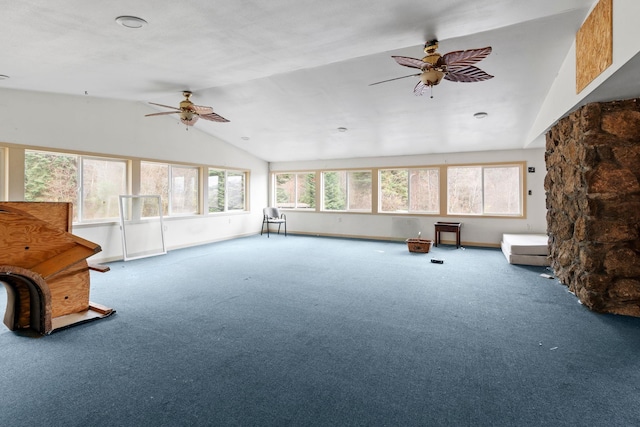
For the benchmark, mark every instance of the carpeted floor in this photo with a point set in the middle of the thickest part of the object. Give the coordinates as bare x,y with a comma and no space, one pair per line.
305,331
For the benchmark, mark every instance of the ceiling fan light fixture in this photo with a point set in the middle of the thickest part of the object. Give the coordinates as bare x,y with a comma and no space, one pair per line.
431,77
131,21
480,115
188,117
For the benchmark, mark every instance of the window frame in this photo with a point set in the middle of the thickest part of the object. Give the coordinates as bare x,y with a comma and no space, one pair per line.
79,193
347,190
172,188
410,211
226,173
81,188
376,195
170,196
521,165
296,186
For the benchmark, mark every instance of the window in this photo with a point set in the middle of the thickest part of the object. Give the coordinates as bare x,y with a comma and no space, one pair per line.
490,190
227,190
295,190
410,190
484,190
51,177
235,191
103,181
92,184
217,187
154,181
184,190
178,186
347,191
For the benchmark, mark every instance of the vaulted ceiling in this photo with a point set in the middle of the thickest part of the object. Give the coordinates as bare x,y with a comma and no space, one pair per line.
289,73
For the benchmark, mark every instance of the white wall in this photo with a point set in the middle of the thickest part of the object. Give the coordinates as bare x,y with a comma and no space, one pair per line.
119,128
562,97
475,231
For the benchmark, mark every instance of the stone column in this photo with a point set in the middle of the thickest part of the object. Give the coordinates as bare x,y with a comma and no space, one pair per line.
593,204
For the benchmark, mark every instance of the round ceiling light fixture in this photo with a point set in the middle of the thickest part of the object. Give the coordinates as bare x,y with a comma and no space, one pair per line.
342,129
131,21
3,77
480,115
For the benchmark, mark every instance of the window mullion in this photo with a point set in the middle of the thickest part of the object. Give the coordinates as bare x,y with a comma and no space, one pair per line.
408,190
482,188
170,186
226,191
80,191
347,190
295,191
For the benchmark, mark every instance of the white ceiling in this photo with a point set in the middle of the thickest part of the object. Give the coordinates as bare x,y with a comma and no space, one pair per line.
288,73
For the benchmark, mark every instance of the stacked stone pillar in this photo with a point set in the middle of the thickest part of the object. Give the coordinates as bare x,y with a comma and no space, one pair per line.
593,204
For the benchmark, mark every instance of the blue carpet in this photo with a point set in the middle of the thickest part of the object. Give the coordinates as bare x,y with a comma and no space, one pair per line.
305,331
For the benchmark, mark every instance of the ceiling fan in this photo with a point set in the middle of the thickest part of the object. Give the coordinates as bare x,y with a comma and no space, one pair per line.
190,113
455,66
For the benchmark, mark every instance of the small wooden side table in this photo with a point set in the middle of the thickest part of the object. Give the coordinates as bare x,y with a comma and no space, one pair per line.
448,227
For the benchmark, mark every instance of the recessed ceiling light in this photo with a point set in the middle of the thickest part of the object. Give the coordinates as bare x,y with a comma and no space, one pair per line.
341,129
480,115
245,138
131,21
3,77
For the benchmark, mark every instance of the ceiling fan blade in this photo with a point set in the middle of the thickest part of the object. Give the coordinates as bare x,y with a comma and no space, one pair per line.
213,117
468,74
463,58
165,106
410,62
161,114
397,78
420,88
202,110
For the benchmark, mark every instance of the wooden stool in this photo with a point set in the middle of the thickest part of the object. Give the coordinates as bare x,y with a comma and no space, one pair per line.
448,227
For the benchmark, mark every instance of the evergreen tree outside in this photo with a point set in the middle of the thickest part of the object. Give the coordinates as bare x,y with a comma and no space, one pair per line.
296,191
235,191
307,190
51,177
285,190
216,186
360,190
394,185
334,191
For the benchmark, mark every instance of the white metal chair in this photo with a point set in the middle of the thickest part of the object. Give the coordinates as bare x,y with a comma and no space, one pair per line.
273,216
